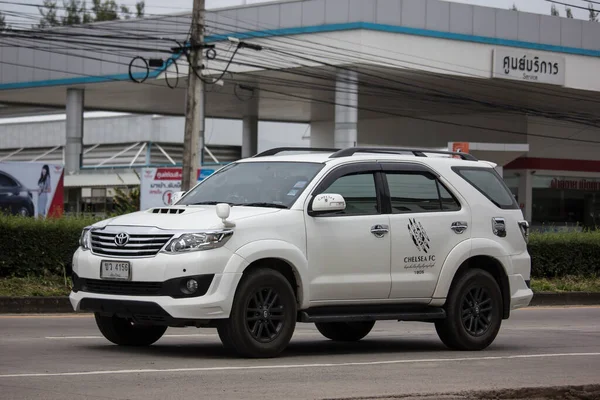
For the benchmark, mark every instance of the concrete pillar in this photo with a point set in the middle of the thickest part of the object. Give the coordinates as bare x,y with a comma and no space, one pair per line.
74,124
321,134
249,136
250,127
525,193
346,110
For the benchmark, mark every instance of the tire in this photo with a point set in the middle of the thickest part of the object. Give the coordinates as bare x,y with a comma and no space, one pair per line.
120,331
24,212
482,317
345,331
253,330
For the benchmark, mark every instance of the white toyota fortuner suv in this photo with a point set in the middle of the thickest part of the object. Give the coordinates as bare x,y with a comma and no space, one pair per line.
339,238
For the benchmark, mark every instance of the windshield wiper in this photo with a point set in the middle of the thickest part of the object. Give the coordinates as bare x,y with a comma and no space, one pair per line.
270,205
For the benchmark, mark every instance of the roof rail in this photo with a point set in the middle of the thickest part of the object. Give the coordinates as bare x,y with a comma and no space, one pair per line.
395,150
277,150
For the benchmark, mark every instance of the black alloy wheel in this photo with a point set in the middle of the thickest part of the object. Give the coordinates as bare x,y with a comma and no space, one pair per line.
477,311
263,316
473,312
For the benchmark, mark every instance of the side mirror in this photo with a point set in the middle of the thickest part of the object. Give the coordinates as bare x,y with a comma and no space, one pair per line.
176,197
223,210
327,202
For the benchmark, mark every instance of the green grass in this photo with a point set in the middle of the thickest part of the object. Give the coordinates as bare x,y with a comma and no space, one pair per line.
566,284
34,287
55,286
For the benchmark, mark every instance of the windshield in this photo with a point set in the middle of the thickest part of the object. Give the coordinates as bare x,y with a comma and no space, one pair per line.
258,184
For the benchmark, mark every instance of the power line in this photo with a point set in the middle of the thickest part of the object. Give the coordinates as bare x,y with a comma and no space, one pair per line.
311,100
360,56
461,125
335,67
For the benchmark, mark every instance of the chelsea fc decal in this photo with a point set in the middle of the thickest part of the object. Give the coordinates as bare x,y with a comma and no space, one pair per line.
422,242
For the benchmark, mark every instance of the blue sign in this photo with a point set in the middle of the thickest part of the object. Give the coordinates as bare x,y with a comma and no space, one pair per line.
204,173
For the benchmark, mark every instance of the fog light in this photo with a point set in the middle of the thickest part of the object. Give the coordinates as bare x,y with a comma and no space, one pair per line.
191,286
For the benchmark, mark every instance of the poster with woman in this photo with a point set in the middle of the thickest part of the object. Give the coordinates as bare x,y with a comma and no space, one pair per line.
31,189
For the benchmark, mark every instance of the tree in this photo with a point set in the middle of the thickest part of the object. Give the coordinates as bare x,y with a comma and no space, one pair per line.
75,12
107,11
514,7
126,202
49,14
3,25
593,13
554,11
569,13
140,8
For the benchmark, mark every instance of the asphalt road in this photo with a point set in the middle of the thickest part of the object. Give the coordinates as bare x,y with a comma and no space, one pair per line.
64,357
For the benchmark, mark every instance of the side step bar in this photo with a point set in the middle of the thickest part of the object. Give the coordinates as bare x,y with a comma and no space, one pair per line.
371,313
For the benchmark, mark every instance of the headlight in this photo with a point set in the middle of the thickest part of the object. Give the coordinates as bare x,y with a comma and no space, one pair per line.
85,240
198,241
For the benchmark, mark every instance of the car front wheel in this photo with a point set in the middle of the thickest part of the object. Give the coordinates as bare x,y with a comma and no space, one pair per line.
263,316
124,333
473,312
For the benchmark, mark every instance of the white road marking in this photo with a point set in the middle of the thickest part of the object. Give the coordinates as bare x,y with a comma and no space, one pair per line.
101,337
164,336
291,366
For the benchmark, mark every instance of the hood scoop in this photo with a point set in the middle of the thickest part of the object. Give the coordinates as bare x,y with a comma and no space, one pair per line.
167,210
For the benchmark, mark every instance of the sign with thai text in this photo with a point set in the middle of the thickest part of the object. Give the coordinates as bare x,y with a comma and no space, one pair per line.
575,184
528,67
158,185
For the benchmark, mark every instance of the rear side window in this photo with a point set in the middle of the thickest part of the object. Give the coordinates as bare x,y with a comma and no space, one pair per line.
490,184
417,193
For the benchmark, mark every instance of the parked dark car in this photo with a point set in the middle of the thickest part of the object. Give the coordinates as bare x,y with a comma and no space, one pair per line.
14,198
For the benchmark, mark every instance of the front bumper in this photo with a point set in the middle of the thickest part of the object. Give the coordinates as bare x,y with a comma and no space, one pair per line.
214,304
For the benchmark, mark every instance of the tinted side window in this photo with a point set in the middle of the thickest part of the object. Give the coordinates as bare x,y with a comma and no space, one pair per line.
6,181
417,193
449,202
358,191
490,184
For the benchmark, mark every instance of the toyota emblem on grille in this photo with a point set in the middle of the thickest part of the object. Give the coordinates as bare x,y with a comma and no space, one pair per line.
121,239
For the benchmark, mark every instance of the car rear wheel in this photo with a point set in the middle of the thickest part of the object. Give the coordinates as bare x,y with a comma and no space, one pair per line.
124,333
474,312
263,316
24,212
345,331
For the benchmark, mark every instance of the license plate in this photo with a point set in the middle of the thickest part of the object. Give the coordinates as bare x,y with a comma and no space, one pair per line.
116,270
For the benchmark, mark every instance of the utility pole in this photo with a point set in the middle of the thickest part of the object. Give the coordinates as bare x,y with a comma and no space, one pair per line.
193,139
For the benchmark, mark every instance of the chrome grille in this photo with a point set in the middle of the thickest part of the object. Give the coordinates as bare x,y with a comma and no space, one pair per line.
139,245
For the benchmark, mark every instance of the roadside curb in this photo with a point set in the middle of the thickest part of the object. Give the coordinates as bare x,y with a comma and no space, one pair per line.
35,305
565,299
61,304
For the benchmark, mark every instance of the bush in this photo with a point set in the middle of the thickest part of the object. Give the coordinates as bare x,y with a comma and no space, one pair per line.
556,255
36,247
30,247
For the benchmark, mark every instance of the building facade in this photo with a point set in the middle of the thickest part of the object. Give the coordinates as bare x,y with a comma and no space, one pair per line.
117,146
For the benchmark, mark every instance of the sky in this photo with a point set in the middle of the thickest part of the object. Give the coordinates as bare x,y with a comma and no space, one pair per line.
175,6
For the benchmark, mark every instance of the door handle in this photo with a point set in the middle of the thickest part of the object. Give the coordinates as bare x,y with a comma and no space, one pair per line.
380,230
459,227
